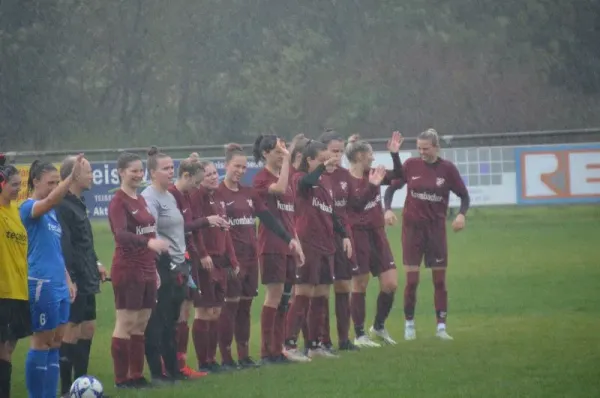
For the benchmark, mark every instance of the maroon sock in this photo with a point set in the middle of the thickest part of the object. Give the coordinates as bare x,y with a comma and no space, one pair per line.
242,328
357,305
296,317
137,350
267,325
279,332
182,336
342,315
410,295
213,341
120,353
326,331
315,319
440,295
305,327
226,328
200,338
384,306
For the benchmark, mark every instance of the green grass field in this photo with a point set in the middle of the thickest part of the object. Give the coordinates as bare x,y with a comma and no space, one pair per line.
524,298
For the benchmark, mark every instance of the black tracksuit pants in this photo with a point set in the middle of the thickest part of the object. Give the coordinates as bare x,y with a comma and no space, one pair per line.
160,334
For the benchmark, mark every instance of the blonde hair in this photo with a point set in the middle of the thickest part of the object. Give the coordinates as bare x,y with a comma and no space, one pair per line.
430,135
355,146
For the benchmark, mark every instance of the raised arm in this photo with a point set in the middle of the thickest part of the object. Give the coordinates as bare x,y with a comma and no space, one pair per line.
280,187
308,180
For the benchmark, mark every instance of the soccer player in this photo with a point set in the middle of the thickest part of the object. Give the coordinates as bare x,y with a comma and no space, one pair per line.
86,272
342,269
316,223
15,318
133,272
429,180
173,270
297,147
242,206
190,175
218,263
373,253
277,262
50,288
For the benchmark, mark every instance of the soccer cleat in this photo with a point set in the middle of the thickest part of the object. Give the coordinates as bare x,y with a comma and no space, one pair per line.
410,333
295,355
320,352
162,381
210,368
383,335
365,341
248,362
140,383
348,346
191,373
443,335
229,366
329,348
281,359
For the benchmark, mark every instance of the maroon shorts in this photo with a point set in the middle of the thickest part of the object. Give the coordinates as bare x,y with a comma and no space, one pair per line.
424,240
373,253
317,268
246,282
212,284
342,265
277,268
135,295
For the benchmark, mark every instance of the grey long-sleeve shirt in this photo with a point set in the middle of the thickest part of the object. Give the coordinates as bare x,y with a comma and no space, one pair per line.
169,221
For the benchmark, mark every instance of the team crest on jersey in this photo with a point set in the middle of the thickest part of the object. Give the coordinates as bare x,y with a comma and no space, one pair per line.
250,203
331,193
344,185
439,181
222,205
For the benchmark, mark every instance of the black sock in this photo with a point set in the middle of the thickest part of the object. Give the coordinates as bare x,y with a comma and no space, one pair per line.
83,358
5,374
67,355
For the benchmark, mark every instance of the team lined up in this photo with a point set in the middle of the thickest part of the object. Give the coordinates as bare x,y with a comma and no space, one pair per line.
193,244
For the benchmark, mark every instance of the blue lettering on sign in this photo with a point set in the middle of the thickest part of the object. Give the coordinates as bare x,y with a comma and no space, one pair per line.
105,178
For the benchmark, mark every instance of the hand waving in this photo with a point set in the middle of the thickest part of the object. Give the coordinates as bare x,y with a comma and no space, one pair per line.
395,142
377,175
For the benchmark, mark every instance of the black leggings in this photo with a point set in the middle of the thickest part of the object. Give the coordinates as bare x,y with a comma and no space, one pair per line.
161,330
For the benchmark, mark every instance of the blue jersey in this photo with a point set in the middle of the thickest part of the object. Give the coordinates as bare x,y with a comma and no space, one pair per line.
44,253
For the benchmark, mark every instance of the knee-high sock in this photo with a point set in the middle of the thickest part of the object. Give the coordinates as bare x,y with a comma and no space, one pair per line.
440,295
200,336
410,295
342,315
226,329
358,307
242,328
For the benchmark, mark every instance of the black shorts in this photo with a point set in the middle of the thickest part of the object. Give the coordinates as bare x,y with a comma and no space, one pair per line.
83,309
15,320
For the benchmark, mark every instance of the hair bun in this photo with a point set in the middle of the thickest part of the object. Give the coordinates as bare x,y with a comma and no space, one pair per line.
152,151
353,138
232,147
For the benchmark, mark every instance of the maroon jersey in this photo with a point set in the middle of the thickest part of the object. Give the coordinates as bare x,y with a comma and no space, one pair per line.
215,241
241,207
340,184
364,200
314,216
132,226
185,207
428,188
281,206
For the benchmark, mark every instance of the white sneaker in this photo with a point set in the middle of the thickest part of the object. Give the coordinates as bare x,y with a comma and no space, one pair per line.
364,341
295,355
410,333
320,352
383,335
443,335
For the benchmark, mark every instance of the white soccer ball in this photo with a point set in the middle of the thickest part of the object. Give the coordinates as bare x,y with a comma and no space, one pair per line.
87,387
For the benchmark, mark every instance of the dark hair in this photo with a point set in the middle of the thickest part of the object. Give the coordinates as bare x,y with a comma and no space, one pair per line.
264,143
154,155
190,166
312,149
299,142
232,150
125,159
7,171
37,170
330,135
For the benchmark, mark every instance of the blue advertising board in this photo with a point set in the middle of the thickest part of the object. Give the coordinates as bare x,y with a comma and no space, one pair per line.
558,174
106,181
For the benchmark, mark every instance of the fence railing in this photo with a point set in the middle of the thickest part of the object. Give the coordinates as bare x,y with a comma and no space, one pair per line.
448,141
